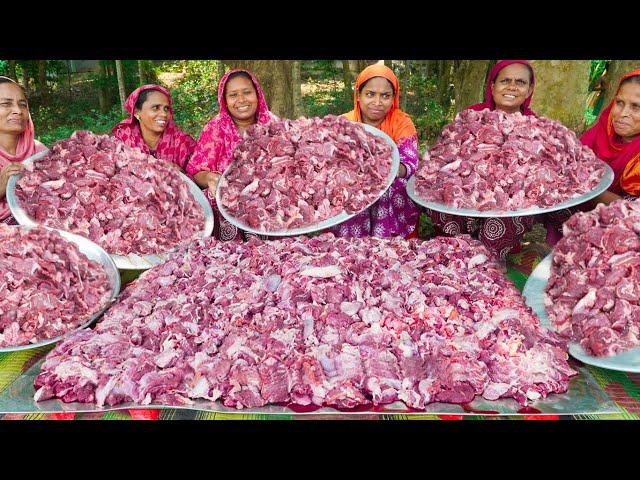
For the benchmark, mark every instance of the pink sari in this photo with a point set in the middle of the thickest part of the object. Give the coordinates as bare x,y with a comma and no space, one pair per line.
214,150
174,145
27,146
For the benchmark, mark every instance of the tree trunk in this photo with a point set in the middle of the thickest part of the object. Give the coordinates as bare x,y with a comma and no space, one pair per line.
468,82
347,78
615,70
561,91
11,73
121,88
25,82
42,79
404,85
444,82
276,79
141,74
298,108
221,71
103,91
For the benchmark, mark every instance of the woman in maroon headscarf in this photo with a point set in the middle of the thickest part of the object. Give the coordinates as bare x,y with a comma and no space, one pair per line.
151,128
615,138
17,142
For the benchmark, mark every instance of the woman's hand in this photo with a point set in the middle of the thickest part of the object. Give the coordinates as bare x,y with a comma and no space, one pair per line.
402,171
12,169
212,182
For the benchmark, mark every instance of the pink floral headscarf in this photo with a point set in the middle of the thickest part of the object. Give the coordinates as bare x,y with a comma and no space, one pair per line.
27,146
220,136
174,146
488,95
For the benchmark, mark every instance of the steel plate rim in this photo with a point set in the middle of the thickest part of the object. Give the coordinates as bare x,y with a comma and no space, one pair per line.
329,222
530,291
104,259
123,262
603,185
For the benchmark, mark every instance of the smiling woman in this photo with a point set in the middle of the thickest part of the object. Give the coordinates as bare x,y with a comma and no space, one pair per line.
242,104
17,141
151,128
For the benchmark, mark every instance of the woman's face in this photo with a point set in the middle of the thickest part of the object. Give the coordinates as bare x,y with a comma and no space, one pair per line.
626,112
241,98
376,99
14,110
511,87
155,113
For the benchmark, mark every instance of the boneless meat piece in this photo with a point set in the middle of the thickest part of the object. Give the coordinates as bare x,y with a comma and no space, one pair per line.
517,161
593,294
329,164
117,196
322,321
47,286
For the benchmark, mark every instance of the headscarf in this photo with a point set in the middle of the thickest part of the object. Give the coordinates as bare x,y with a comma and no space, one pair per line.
174,145
396,124
27,146
623,158
488,94
220,136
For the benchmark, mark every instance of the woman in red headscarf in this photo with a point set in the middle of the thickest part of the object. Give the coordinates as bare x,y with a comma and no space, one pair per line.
17,142
510,86
242,104
376,103
151,128
615,138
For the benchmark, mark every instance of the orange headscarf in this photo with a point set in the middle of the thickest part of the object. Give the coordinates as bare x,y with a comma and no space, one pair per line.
624,158
396,124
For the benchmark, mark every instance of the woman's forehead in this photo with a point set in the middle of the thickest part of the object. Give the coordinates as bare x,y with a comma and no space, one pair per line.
515,69
239,82
379,84
156,97
11,91
630,90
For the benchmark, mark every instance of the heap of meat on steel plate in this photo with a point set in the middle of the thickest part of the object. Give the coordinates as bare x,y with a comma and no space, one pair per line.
117,196
48,287
593,295
295,173
324,321
491,160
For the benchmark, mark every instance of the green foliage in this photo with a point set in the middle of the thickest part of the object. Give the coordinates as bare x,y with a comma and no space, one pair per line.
195,92
324,97
4,67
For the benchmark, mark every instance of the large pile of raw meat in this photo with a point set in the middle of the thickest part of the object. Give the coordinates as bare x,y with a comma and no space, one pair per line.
324,321
47,286
294,173
593,295
491,160
117,196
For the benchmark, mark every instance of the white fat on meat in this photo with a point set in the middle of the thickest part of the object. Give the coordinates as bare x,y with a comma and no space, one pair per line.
321,272
585,303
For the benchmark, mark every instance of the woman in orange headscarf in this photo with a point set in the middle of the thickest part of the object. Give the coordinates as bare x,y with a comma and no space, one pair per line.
376,103
615,138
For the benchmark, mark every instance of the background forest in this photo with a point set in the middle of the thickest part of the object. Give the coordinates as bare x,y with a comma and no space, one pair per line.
68,95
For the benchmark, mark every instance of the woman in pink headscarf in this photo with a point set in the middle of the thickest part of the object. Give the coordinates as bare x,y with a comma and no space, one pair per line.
151,128
510,86
17,141
242,104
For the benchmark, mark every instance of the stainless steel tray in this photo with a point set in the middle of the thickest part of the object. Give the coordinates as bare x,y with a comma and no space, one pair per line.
329,222
131,261
584,396
533,291
605,183
93,252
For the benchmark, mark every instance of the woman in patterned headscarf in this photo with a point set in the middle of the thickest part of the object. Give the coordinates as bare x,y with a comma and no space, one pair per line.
510,86
151,128
17,142
376,103
242,104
